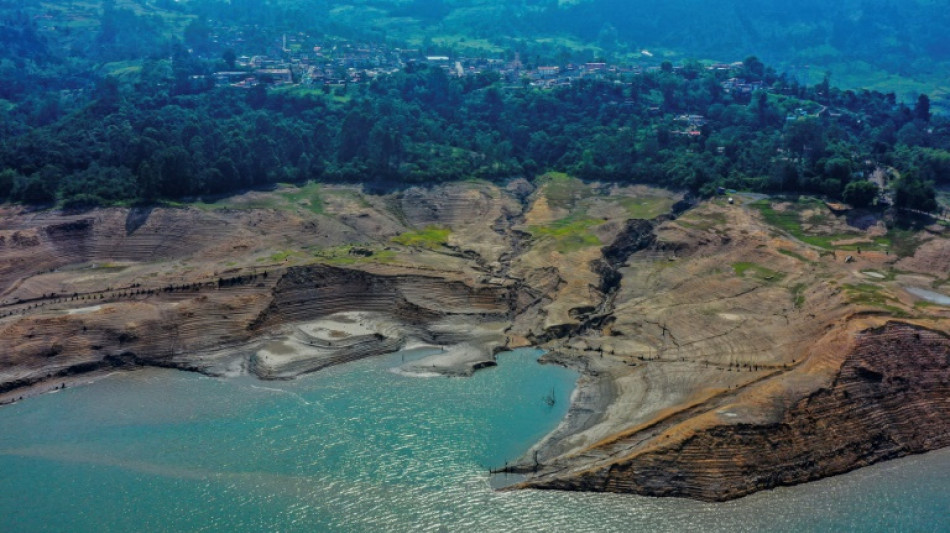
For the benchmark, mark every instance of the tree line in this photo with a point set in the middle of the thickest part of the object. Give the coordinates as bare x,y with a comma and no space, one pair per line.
168,134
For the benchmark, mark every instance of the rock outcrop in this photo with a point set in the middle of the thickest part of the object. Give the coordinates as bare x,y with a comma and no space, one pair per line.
719,354
889,398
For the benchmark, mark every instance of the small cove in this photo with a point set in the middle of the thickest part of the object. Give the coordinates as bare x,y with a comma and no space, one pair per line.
360,448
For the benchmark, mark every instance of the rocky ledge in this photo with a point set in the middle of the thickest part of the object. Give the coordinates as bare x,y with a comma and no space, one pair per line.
889,398
719,354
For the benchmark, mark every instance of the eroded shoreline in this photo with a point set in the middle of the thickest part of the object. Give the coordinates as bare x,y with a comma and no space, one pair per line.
684,325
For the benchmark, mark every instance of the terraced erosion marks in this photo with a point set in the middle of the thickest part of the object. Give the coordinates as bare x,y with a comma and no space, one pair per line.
305,293
889,398
718,354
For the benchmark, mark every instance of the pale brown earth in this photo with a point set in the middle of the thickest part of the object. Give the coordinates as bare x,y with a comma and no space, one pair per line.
718,354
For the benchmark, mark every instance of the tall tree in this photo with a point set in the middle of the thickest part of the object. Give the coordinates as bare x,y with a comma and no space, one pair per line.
922,108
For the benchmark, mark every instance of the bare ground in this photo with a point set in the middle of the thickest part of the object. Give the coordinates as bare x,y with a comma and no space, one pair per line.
685,328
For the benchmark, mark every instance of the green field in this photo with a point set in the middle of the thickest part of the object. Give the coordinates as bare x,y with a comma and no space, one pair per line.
569,234
898,241
431,237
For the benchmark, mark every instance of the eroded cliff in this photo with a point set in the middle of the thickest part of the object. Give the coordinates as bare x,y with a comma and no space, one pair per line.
724,348
890,397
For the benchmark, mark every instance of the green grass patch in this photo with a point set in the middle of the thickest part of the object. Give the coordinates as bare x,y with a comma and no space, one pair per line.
790,221
926,305
794,255
704,222
647,207
570,233
743,268
431,237
267,202
314,93
798,294
280,257
307,197
943,195
872,295
463,42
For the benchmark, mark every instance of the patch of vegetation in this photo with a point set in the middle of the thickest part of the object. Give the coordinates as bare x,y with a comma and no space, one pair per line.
927,305
702,221
757,271
431,237
788,220
238,203
872,295
307,196
903,242
562,190
280,257
570,233
794,255
154,125
899,241
647,207
798,294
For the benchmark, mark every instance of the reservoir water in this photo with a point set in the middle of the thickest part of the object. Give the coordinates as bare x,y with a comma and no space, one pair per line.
360,448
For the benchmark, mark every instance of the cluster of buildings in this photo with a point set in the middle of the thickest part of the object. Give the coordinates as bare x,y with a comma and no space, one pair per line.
692,125
295,60
741,86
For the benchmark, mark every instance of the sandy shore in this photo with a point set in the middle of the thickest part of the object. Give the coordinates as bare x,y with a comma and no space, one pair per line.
57,384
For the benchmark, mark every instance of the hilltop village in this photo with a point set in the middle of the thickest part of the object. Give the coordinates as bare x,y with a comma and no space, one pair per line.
298,60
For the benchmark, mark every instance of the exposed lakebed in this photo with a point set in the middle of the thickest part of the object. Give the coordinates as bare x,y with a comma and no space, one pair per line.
361,448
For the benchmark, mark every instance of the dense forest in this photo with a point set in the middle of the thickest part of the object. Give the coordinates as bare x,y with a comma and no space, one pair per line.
77,131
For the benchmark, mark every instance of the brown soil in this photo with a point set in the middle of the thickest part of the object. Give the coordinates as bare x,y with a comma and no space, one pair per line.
719,355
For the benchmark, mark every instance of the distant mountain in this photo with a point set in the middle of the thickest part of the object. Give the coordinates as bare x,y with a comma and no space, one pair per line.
858,40
889,45
899,46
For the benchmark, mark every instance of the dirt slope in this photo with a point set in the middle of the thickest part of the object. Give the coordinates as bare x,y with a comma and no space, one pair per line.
723,348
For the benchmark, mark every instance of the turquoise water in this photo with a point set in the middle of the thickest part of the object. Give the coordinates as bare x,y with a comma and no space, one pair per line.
359,448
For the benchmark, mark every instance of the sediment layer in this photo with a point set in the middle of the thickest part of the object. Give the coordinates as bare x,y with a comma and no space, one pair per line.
719,354
889,398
